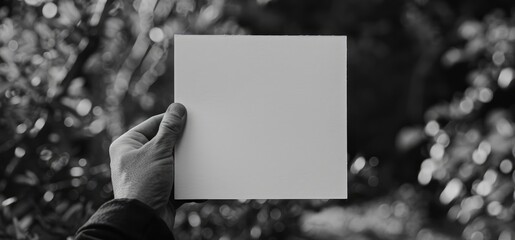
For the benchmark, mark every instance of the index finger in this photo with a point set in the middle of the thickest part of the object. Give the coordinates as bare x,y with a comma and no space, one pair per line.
147,129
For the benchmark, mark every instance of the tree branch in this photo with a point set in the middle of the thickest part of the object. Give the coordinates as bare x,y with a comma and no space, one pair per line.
93,44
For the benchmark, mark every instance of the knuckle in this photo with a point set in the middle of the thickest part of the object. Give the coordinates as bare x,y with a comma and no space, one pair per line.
173,127
162,147
116,153
113,165
112,149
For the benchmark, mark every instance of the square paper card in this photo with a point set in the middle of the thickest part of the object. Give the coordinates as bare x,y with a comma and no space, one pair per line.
266,117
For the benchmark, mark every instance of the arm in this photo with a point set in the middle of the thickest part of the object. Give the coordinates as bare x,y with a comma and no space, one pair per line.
142,177
124,219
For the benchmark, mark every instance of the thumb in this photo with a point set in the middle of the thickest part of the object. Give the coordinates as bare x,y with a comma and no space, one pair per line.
172,124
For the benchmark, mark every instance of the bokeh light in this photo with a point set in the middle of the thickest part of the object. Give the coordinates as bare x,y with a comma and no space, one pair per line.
49,10
431,127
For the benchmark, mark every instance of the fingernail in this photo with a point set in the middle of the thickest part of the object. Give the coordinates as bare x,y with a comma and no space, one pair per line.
177,109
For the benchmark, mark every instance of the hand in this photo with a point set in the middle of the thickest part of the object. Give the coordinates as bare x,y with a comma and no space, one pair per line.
142,161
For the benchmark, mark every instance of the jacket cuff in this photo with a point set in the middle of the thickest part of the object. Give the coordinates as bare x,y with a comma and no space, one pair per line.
129,217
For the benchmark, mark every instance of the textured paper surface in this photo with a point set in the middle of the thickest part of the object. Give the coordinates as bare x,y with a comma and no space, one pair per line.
266,117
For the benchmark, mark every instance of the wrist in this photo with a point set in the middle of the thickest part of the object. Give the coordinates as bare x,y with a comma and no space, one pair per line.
168,215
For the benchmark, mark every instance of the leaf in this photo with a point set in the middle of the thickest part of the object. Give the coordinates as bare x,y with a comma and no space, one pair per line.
20,233
73,212
29,178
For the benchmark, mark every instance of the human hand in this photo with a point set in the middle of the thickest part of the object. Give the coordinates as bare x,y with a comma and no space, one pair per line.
142,161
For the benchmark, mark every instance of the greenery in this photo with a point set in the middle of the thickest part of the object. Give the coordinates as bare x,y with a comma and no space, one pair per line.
431,113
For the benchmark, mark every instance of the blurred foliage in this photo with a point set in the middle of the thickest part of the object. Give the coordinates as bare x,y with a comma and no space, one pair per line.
471,137
427,80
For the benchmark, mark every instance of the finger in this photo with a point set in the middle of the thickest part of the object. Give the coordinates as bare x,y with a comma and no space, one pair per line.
146,130
172,124
178,203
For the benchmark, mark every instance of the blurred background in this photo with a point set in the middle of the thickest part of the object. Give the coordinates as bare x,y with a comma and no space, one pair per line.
431,113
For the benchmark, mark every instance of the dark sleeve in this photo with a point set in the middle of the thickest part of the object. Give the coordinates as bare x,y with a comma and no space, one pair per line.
124,219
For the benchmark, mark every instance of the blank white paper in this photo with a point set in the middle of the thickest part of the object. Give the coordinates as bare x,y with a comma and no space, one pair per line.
266,117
